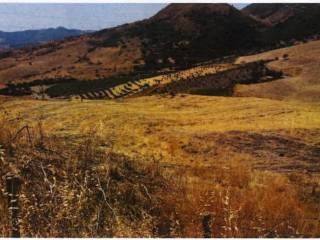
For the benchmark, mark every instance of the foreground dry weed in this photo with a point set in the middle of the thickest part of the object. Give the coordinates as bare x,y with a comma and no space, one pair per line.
267,205
78,190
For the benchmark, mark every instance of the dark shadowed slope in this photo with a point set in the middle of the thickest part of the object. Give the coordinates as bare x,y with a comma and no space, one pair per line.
183,34
286,21
202,31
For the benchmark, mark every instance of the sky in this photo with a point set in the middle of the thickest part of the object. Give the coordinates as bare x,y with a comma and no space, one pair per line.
95,16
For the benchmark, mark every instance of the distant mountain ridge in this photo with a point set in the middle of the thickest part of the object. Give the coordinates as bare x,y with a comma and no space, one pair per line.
31,37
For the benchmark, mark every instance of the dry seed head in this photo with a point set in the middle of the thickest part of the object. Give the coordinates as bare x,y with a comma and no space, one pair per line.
1,154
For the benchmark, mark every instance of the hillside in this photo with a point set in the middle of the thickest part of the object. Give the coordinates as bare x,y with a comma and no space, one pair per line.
179,35
32,37
104,64
189,33
178,127
284,22
289,73
300,65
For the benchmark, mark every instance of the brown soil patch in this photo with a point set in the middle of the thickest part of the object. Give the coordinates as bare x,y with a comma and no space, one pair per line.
276,151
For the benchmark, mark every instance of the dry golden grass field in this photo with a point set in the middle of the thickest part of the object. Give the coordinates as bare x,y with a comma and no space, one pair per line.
165,125
252,163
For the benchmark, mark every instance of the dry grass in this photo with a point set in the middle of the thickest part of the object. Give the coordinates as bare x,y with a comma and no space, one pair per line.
244,203
92,193
81,191
302,70
162,126
80,150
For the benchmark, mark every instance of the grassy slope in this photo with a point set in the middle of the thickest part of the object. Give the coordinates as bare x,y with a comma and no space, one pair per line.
302,68
169,127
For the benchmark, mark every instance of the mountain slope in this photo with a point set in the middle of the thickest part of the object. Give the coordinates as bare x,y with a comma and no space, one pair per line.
22,38
178,36
189,33
286,21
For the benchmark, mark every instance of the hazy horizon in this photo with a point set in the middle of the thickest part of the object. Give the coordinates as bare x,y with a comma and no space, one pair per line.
30,16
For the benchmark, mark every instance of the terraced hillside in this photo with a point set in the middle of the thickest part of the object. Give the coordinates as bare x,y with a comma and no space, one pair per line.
256,75
221,82
178,37
134,87
199,78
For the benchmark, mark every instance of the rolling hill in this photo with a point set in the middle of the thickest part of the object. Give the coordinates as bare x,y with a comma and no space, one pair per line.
264,152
